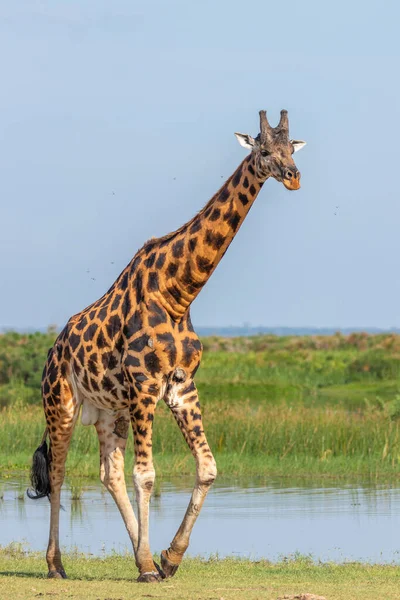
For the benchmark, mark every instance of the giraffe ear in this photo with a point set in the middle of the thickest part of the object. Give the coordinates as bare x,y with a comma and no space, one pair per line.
245,140
297,144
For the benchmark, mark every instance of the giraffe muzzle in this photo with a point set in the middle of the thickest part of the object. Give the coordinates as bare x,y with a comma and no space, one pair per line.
291,179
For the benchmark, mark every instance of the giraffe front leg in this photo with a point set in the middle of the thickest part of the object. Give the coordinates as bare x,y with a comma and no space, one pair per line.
142,409
185,406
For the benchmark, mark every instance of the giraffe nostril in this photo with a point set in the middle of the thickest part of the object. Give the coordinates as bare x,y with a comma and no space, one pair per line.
289,174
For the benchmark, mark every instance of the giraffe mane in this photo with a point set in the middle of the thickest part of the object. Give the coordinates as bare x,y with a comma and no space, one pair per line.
169,236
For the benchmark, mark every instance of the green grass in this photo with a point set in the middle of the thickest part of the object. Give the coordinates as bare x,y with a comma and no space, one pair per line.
22,577
248,438
264,368
327,406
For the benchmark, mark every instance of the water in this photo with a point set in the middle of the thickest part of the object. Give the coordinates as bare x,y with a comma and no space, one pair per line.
330,522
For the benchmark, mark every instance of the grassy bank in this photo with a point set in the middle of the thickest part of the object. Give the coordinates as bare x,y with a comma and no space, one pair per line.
112,578
268,369
272,406
247,439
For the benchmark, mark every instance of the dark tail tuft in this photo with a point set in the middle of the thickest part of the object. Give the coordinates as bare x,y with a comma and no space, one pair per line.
40,480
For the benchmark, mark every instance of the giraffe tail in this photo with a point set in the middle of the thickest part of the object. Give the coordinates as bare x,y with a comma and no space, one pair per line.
40,480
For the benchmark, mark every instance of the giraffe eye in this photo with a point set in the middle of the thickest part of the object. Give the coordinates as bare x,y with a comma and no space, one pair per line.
264,153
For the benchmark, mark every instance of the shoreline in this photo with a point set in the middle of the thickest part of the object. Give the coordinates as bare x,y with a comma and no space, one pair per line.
23,576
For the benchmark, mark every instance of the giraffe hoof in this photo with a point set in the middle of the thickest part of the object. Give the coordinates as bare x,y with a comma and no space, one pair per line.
160,571
168,568
151,577
59,574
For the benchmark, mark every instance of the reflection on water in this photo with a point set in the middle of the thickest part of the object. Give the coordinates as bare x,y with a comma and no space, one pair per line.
254,519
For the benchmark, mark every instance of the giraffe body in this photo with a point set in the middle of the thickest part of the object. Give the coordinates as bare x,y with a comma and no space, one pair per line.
136,345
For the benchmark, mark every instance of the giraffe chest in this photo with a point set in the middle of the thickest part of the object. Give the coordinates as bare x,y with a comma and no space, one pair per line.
104,377
148,346
156,353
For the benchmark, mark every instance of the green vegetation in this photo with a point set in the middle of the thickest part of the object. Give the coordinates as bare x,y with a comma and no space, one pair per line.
22,577
326,405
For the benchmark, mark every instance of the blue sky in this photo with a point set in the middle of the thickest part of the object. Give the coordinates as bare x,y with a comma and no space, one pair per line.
117,124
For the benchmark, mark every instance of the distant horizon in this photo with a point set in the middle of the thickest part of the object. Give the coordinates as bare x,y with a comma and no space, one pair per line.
240,330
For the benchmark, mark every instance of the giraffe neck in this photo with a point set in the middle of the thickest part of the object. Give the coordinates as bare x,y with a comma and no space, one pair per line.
186,258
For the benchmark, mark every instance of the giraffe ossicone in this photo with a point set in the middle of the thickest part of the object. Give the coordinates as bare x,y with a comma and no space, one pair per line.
136,345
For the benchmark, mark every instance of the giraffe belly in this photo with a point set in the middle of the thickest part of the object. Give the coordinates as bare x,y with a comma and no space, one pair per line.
106,393
90,413
110,401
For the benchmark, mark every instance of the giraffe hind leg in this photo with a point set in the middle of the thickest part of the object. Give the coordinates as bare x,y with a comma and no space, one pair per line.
61,409
112,431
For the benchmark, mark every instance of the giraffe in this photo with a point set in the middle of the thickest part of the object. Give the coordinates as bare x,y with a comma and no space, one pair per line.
136,345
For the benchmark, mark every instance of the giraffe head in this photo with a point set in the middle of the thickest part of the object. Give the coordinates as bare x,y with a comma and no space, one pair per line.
272,151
